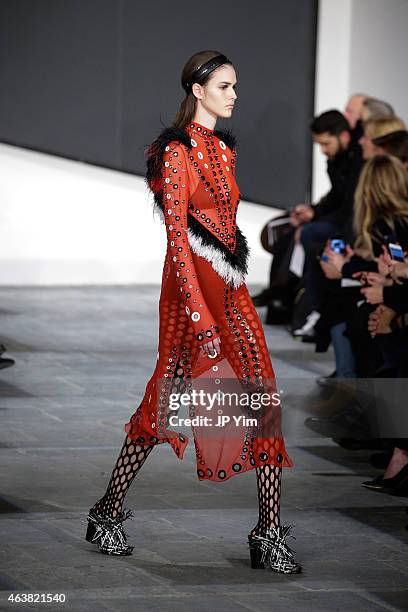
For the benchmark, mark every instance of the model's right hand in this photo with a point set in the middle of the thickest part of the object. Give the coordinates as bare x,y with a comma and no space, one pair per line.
211,348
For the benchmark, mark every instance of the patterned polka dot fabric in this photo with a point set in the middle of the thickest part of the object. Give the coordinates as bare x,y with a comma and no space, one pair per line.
197,305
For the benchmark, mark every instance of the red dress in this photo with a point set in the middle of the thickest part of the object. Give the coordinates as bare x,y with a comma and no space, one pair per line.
204,296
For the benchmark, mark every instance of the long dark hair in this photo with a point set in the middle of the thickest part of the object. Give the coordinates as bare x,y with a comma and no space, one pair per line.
188,105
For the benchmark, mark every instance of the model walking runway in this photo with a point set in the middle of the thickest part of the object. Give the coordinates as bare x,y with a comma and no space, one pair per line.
209,332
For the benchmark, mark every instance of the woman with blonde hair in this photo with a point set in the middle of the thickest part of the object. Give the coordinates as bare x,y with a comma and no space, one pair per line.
377,127
380,217
381,204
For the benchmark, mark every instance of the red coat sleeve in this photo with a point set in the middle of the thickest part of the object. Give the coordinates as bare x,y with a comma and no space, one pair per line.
175,200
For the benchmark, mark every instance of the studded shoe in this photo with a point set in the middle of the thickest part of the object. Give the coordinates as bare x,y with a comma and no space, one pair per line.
108,533
272,551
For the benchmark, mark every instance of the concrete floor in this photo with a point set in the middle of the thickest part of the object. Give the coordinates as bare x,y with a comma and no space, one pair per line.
83,357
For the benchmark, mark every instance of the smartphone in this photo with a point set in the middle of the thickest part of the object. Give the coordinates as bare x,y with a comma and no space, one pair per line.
396,251
338,245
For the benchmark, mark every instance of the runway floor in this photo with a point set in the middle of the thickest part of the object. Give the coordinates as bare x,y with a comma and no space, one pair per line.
83,357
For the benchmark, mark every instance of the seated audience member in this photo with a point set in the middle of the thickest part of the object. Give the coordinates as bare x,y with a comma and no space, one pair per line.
376,128
374,108
380,218
280,293
389,326
395,143
330,216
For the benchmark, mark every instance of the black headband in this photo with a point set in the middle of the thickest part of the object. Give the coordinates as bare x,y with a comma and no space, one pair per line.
204,70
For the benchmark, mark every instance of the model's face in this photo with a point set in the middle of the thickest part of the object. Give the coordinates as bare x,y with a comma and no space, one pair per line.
369,149
329,144
218,95
353,110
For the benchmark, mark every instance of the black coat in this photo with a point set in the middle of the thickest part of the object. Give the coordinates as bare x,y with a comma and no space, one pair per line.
344,171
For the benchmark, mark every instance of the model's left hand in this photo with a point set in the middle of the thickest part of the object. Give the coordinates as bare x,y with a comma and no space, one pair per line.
211,348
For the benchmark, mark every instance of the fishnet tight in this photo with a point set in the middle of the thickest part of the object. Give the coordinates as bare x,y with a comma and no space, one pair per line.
129,462
133,456
269,490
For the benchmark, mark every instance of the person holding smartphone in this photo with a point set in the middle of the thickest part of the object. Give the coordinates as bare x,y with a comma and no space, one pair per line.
380,218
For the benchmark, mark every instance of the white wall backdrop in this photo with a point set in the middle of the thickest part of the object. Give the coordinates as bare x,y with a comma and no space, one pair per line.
332,81
362,46
66,222
379,51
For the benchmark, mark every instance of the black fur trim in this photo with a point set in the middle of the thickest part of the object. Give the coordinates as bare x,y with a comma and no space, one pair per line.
155,152
238,260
